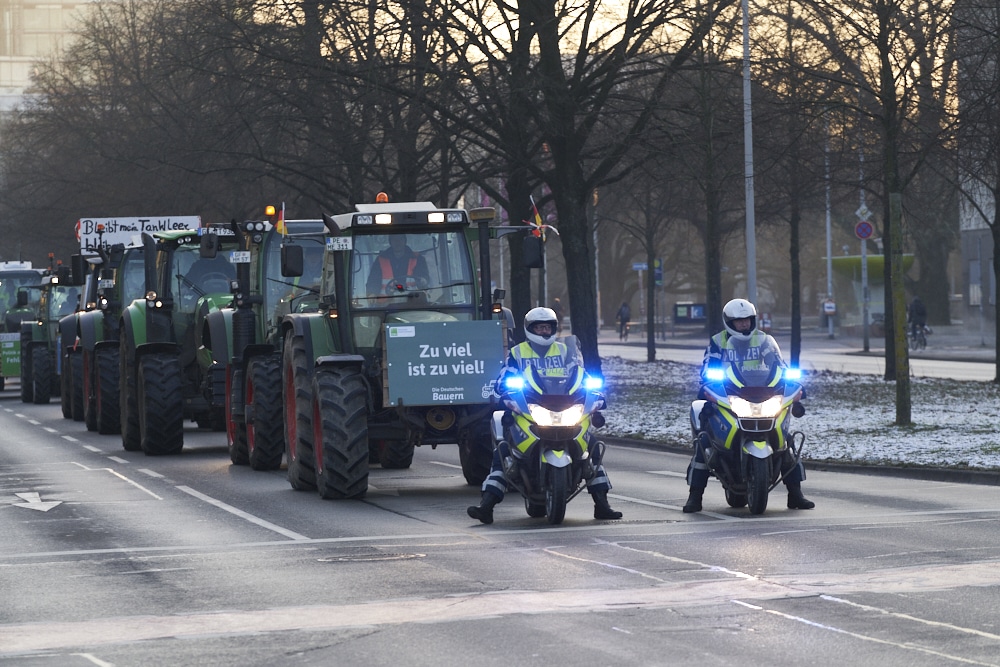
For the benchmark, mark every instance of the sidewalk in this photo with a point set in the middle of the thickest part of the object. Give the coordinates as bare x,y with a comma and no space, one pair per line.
953,342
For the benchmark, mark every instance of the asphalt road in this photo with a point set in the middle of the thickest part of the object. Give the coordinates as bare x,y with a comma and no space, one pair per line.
113,558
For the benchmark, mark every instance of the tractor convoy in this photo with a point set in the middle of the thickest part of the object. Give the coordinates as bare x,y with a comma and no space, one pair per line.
327,345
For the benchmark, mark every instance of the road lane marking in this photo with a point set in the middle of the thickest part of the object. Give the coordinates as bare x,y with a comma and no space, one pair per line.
937,624
243,515
906,646
135,484
667,473
446,465
91,448
49,429
677,508
117,459
151,473
70,438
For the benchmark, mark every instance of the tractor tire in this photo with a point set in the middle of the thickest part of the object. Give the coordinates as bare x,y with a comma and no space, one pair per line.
264,427
107,410
26,394
475,453
74,370
161,404
89,398
128,406
395,454
65,390
340,433
236,426
296,399
41,375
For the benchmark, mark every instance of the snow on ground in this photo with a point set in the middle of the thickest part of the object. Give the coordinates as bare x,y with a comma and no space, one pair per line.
849,418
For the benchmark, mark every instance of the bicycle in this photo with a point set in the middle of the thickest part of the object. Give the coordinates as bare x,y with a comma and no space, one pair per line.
918,337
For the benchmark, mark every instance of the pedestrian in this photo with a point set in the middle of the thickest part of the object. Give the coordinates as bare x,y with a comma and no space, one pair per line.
916,315
623,316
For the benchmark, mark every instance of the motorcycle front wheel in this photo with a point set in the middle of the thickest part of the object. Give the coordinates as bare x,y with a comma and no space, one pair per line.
758,479
555,495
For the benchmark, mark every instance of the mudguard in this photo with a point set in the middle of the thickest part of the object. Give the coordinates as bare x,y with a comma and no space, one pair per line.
68,331
314,331
759,449
90,329
217,336
556,458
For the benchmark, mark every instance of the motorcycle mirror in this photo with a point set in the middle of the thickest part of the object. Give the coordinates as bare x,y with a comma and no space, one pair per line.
798,409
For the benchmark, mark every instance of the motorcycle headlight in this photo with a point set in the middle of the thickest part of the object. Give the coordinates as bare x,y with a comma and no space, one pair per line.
746,409
568,417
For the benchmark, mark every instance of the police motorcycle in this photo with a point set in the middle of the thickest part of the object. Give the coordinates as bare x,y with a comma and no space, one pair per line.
743,425
544,433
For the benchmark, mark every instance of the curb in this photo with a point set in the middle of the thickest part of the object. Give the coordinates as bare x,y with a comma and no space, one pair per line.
930,474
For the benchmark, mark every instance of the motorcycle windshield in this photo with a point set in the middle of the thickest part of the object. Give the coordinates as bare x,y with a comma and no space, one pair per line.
557,375
754,365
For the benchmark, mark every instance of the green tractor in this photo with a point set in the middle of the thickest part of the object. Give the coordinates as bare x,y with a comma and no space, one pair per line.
168,369
402,352
41,340
262,296
14,275
92,390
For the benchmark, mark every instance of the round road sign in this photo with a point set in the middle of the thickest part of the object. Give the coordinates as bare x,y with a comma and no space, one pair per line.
863,230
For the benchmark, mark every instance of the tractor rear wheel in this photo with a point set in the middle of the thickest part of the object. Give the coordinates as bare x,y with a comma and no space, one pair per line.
74,369
264,428
128,406
340,432
106,406
41,374
161,404
236,425
296,397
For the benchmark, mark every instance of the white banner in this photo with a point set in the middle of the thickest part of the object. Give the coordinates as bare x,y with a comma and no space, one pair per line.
128,230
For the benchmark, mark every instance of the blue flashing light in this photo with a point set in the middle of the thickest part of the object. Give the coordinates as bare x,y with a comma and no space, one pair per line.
715,374
793,374
591,383
513,383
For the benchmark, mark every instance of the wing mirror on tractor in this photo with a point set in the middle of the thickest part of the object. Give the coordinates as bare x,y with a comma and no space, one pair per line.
65,276
292,263
78,266
209,247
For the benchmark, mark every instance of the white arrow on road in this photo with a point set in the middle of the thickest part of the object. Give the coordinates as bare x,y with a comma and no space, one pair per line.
33,501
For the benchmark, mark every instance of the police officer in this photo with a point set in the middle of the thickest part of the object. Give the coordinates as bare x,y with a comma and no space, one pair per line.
543,351
739,337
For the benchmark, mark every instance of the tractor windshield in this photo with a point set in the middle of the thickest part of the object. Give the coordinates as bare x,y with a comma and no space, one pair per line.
411,270
424,274
193,276
293,295
132,276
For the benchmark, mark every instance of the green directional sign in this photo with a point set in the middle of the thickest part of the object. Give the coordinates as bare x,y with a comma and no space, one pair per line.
443,363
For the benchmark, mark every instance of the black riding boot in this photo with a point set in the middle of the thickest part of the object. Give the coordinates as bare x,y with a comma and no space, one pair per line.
484,510
797,501
693,503
602,510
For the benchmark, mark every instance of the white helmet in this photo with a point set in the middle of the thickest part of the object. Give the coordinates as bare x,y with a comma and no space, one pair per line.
738,309
537,316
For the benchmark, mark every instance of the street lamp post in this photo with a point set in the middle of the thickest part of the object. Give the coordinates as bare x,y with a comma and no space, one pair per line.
748,161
